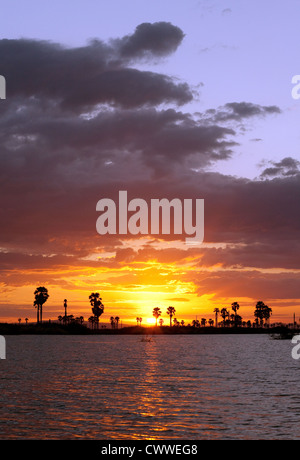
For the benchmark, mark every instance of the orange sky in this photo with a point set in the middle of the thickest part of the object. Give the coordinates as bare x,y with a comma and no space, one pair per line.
137,283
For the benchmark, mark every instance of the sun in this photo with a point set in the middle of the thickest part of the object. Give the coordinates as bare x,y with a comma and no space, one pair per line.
151,321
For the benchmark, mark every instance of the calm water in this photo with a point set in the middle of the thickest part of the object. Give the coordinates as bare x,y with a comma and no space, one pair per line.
176,387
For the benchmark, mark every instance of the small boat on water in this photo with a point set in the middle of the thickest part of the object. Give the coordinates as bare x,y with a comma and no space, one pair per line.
146,339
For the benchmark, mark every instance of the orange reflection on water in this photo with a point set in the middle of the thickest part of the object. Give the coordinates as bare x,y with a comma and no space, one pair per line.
151,405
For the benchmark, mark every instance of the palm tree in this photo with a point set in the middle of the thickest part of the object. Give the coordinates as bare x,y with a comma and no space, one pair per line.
97,306
267,312
161,322
112,322
70,318
26,320
232,319
224,314
19,320
65,306
65,318
156,313
258,312
91,320
139,320
81,319
171,312
262,312
235,306
211,322
176,322
203,322
216,311
117,319
41,296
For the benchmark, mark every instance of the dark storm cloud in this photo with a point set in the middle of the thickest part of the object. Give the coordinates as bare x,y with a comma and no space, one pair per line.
238,111
128,88
286,167
158,39
253,211
82,77
152,137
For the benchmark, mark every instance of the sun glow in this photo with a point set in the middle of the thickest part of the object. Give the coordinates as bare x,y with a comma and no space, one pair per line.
150,321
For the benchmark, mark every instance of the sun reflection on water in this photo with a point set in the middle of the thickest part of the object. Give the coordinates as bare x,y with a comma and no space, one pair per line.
165,388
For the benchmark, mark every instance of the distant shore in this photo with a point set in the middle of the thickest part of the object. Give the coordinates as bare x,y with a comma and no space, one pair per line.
78,329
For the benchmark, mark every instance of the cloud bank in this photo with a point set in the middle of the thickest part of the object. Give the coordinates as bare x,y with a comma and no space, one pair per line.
80,124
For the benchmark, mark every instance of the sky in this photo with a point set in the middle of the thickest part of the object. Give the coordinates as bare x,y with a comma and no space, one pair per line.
164,99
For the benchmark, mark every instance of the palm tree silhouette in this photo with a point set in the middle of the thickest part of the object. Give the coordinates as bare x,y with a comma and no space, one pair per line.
232,319
91,320
117,319
171,312
65,307
80,319
235,306
156,313
262,311
224,314
216,311
41,296
97,306
267,312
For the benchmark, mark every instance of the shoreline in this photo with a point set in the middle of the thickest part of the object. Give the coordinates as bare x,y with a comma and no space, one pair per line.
78,329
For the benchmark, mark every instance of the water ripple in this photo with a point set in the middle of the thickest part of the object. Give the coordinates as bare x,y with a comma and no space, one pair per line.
116,387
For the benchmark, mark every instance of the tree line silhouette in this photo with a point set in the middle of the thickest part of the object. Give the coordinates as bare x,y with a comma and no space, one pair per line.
41,296
262,314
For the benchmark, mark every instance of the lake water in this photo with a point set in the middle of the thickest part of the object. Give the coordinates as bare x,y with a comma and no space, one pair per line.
175,387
